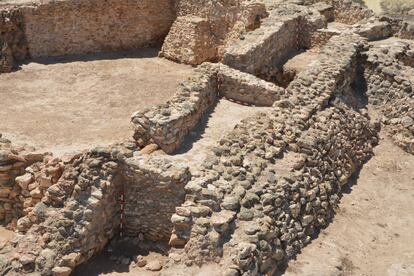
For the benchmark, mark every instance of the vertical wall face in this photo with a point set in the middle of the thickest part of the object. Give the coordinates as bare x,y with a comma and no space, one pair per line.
13,47
153,190
77,27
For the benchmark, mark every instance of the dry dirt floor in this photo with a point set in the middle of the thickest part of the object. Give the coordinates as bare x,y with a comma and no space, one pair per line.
372,232
73,103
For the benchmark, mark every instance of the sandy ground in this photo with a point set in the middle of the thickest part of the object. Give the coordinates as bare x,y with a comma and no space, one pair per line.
372,233
74,103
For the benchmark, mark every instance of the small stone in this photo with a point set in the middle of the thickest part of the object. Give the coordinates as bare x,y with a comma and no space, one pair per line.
27,259
24,180
231,203
154,265
71,260
141,262
246,214
61,271
222,220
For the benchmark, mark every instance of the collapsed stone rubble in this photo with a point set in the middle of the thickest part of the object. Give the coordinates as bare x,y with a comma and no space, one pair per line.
268,185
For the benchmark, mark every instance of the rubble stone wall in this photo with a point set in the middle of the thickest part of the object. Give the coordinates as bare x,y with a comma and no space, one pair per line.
246,184
77,27
14,194
154,188
287,29
247,89
74,216
390,82
350,12
13,45
205,28
167,125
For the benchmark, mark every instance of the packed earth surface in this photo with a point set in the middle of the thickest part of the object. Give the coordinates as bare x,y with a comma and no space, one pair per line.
214,137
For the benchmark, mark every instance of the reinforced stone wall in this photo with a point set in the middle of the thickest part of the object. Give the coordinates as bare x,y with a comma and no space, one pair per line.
167,125
77,27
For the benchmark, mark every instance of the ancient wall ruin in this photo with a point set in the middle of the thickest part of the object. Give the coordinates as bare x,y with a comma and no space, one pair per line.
13,44
390,90
153,188
77,27
267,186
205,28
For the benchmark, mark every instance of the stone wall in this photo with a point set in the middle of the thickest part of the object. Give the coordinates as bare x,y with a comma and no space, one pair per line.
77,27
13,45
287,29
205,28
247,89
75,216
390,90
167,125
276,178
14,194
190,41
350,12
153,189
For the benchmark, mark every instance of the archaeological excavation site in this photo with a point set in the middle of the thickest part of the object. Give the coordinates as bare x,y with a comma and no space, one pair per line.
205,137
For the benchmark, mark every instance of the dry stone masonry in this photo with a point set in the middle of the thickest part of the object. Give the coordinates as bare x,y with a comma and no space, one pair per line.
265,188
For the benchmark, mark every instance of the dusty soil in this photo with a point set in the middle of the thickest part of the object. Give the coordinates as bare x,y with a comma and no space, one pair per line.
66,104
372,232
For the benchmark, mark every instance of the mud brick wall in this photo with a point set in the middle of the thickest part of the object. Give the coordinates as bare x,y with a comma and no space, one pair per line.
13,46
85,26
153,189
